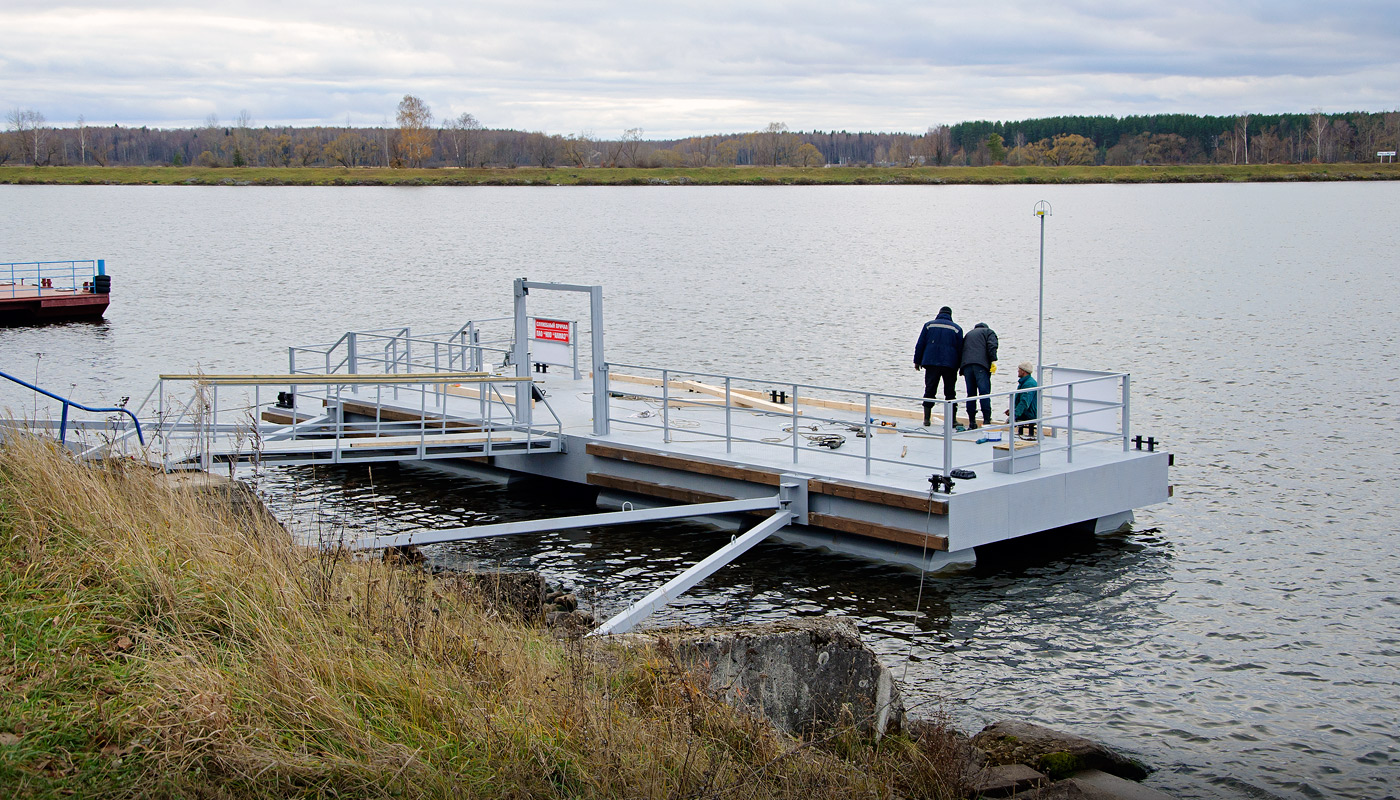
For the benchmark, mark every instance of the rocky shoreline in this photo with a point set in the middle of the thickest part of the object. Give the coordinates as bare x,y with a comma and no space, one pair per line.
810,677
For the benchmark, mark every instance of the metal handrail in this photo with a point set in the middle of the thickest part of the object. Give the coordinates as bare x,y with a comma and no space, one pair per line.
868,426
63,425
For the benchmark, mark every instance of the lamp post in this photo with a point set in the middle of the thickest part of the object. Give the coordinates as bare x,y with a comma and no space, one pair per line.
1042,210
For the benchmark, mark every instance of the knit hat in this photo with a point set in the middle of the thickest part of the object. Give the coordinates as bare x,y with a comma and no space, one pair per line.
1025,366
946,310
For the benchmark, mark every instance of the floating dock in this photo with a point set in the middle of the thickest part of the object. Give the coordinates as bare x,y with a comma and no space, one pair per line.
49,291
849,470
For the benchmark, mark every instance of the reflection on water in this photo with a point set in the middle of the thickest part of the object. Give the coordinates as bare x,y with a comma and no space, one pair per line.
1244,639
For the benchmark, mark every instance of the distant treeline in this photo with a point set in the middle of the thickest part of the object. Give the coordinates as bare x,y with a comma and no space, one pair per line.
1162,139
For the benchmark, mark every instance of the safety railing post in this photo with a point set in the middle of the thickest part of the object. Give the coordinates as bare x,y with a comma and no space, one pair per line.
666,406
573,345
1127,434
214,423
728,407
1069,425
352,354
866,422
63,426
795,434
948,411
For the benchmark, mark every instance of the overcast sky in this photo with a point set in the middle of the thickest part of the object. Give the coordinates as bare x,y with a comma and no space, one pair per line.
677,69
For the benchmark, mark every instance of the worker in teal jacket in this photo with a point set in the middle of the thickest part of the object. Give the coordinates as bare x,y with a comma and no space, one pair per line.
1027,403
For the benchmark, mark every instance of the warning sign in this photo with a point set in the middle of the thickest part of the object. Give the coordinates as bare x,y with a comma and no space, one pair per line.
552,330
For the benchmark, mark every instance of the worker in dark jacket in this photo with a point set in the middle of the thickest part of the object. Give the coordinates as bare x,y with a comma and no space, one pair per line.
939,354
979,353
1027,405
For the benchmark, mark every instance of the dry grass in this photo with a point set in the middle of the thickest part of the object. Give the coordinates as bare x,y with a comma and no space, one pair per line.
160,643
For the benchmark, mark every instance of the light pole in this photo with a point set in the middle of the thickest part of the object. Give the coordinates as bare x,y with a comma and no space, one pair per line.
1042,210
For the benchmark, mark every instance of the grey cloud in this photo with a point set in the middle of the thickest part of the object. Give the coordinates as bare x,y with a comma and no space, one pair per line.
720,67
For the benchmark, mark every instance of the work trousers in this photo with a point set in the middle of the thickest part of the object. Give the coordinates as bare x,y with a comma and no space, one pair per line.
932,376
978,380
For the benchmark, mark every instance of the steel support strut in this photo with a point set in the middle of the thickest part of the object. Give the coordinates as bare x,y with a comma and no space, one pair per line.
678,585
567,523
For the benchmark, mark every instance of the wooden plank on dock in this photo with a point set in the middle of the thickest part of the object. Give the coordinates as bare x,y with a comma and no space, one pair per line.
650,489
873,531
846,405
702,466
344,379
394,415
745,400
879,495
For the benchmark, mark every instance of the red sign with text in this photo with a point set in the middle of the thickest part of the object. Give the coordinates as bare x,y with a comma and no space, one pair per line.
552,330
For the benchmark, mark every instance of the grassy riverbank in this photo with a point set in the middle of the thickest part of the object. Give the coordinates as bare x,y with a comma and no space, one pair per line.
156,643
706,176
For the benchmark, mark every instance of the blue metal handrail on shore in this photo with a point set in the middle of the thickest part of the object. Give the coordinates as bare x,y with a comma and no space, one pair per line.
63,426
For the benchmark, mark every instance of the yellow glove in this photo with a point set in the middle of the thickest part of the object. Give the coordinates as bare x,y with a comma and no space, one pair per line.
993,368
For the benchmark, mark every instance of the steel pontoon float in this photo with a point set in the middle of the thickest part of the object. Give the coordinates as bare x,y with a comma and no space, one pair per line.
844,469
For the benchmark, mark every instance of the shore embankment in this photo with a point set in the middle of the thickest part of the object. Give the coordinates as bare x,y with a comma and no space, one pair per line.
700,176
161,640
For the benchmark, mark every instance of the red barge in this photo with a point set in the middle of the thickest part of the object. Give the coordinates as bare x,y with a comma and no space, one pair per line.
50,291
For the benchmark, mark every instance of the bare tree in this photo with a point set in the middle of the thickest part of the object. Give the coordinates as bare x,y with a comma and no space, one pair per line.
580,150
28,126
464,133
82,139
544,149
624,151
1317,131
1242,133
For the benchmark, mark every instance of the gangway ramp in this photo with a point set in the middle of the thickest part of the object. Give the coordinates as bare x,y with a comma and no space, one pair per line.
299,419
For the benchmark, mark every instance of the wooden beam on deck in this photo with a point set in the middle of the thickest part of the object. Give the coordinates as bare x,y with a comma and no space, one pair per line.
871,530
702,466
662,490
878,495
394,415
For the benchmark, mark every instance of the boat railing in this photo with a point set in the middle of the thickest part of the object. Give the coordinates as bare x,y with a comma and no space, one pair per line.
42,278
63,423
1076,409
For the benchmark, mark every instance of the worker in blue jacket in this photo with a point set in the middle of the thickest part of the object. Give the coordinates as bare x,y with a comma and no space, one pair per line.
939,354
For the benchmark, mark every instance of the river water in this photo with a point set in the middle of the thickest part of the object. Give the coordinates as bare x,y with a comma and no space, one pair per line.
1243,639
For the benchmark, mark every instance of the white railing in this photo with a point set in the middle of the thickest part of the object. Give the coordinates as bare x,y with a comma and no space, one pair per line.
1085,408
390,351
203,419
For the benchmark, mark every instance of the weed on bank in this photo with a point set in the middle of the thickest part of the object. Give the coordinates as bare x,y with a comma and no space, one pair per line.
160,642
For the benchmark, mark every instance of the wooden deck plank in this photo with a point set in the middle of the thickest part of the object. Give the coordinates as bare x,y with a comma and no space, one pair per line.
702,466
873,531
879,495
744,400
662,490
368,409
